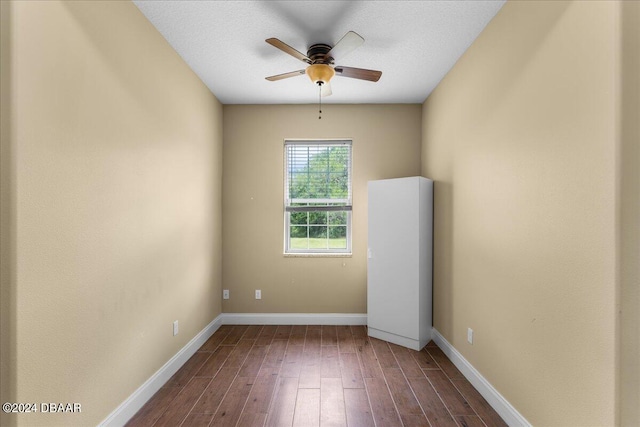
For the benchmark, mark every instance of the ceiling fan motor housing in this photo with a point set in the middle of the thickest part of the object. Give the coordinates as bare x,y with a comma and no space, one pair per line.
320,71
318,54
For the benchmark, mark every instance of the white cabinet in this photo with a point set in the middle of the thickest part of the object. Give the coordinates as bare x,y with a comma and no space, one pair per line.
399,288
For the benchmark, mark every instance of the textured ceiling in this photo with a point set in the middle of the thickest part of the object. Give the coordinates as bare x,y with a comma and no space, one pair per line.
413,43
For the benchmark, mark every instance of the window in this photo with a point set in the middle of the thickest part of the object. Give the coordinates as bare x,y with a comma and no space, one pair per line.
317,201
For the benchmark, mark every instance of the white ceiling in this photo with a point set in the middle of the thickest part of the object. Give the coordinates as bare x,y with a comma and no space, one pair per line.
413,43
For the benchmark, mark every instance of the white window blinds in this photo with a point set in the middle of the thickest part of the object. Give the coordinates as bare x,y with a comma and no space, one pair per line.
318,175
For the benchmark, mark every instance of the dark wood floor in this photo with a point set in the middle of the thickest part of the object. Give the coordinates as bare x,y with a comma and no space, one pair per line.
314,376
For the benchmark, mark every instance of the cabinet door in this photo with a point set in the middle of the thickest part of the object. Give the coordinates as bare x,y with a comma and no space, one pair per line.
392,268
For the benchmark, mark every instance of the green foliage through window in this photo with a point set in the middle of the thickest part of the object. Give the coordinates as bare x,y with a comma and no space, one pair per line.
319,172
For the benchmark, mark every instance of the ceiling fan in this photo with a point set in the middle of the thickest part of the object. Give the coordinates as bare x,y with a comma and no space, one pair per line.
321,59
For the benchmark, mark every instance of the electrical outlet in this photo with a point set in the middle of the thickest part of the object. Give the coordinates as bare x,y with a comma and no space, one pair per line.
225,294
175,328
258,294
470,335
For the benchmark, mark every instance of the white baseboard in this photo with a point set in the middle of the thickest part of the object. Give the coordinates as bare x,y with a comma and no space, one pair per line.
293,319
508,413
133,403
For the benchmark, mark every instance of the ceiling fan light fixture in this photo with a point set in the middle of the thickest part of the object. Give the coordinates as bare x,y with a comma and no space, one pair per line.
320,73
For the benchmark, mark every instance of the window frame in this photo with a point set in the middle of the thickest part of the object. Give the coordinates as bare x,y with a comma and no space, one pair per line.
288,209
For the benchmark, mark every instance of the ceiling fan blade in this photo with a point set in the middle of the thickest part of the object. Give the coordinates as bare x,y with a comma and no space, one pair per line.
347,43
288,49
358,73
284,75
326,89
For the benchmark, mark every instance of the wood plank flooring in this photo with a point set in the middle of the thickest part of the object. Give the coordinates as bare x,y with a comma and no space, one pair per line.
314,376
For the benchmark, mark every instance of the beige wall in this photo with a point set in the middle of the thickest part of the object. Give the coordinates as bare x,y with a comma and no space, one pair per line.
117,150
630,216
7,246
386,144
521,138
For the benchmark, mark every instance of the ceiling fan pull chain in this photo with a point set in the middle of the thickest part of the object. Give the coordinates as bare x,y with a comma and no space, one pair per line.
319,101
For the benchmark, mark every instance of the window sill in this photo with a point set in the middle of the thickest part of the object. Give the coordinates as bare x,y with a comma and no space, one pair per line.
317,255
